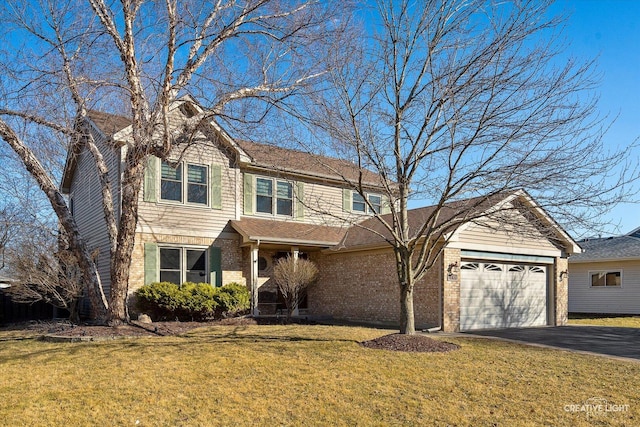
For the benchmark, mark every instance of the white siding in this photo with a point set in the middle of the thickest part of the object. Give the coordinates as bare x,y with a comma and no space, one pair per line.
583,298
519,236
322,202
86,193
166,217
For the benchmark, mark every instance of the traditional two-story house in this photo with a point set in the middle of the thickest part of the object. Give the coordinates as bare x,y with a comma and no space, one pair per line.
224,210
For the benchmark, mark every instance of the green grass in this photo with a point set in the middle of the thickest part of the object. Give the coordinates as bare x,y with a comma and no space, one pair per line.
621,321
304,375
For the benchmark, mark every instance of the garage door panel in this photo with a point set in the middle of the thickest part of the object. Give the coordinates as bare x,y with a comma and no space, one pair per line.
495,295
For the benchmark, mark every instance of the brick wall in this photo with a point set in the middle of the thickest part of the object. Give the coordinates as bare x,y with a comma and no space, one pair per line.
364,286
450,291
561,292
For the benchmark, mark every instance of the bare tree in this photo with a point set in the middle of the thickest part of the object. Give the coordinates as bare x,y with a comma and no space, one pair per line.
293,276
46,271
457,103
132,57
8,230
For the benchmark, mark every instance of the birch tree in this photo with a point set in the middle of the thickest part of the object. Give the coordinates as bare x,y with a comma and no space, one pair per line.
63,58
457,102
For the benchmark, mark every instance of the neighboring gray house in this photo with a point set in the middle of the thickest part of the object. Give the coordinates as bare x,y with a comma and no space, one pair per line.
605,277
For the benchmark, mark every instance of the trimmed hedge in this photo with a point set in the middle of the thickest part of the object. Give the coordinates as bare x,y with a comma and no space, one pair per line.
191,301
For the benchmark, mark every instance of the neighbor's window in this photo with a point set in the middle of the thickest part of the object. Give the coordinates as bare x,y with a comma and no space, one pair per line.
359,204
606,278
281,204
172,186
178,265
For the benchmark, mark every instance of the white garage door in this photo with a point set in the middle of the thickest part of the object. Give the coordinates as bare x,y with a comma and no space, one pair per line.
499,295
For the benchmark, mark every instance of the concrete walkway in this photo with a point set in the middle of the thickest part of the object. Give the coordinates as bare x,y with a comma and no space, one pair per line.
608,341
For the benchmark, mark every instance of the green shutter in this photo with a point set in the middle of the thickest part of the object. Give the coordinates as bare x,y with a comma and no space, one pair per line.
215,265
346,200
386,205
150,179
299,200
248,194
216,186
151,271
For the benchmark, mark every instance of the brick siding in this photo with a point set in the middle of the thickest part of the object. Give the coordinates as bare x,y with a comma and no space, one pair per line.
561,292
364,286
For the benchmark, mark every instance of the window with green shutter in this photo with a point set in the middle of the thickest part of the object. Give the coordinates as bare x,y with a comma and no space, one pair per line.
150,179
215,265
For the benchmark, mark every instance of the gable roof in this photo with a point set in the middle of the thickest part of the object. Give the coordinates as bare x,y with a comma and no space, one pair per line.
371,232
300,162
250,154
108,124
620,248
635,232
287,232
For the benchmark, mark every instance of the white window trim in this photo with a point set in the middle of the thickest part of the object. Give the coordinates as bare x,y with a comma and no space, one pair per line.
606,271
183,261
274,197
367,208
185,186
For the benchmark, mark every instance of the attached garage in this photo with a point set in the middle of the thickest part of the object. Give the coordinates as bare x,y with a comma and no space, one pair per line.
500,270
495,294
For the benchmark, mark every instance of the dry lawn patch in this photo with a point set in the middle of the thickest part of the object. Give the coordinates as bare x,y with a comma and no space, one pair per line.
616,321
304,375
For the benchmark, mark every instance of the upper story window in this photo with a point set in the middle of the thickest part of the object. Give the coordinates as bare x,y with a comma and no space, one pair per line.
269,201
359,204
606,278
173,186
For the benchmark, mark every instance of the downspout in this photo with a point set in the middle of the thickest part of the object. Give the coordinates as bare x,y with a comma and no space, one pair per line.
438,327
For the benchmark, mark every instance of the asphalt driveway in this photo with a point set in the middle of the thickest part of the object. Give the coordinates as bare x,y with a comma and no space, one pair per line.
618,342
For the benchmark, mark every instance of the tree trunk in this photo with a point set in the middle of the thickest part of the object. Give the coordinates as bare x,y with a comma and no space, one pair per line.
77,245
121,260
407,321
74,311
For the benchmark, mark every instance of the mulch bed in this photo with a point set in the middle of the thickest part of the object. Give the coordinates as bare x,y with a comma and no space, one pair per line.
64,329
412,343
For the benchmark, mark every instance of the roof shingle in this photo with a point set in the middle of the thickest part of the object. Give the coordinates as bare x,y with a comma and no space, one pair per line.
371,232
288,232
289,160
108,123
608,249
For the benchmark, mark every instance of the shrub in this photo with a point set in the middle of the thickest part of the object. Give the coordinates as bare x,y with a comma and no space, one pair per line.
160,300
191,301
233,298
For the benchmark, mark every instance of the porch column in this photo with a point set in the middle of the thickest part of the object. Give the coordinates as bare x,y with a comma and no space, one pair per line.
254,280
295,252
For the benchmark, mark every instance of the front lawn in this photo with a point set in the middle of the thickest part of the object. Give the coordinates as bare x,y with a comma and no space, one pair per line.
307,375
621,321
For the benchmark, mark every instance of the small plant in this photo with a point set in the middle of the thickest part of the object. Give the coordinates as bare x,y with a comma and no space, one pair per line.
191,301
293,276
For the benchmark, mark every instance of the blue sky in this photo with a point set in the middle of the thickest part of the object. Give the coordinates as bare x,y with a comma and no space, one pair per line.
609,30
